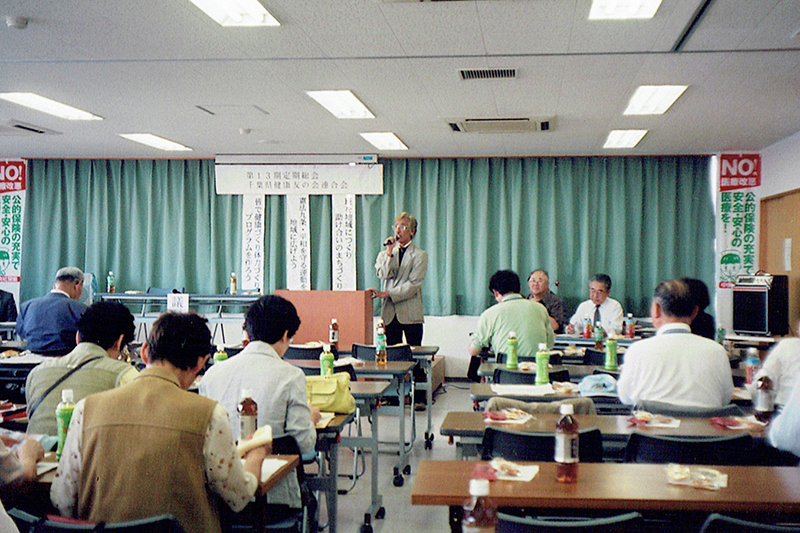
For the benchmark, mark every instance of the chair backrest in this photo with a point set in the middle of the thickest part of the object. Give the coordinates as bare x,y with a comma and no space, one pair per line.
303,352
398,352
530,446
503,375
555,359
156,524
668,409
365,352
717,523
733,450
507,523
287,445
598,357
160,291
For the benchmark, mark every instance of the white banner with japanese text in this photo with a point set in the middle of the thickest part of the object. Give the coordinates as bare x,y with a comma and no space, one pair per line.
737,222
343,242
13,180
298,244
287,180
252,278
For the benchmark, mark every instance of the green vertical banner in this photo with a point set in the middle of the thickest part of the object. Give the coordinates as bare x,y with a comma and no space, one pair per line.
737,228
13,176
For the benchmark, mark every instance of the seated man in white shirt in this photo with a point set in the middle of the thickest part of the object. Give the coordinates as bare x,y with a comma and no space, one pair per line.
676,366
784,430
599,308
782,365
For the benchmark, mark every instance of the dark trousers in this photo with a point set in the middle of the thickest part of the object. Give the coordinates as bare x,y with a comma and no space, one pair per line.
394,335
395,330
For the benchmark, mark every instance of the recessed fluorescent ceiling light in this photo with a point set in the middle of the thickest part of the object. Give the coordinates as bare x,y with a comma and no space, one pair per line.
623,9
653,99
237,12
46,105
385,141
624,138
343,104
156,142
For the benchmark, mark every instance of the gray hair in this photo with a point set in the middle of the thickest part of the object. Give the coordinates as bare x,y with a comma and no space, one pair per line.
602,278
412,222
69,274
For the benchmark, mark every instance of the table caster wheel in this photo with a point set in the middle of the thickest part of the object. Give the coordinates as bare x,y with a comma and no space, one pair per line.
381,514
398,481
428,445
407,469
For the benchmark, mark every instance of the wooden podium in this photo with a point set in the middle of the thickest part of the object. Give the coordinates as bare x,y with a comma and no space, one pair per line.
351,309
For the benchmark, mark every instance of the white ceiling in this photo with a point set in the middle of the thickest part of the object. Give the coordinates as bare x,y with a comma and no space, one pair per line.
147,66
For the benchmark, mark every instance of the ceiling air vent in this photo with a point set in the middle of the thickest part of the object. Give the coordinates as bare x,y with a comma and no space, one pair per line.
488,74
15,127
501,125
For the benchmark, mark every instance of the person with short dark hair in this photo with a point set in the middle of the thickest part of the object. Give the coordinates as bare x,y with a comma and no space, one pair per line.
675,366
278,387
539,284
702,324
49,323
104,330
153,448
599,308
526,318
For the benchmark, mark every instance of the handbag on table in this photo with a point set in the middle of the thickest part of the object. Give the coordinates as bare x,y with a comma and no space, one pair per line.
330,394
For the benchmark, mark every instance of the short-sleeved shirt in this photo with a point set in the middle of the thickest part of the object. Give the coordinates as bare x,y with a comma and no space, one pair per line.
527,318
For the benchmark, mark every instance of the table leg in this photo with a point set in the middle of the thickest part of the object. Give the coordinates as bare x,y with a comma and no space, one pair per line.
370,410
454,518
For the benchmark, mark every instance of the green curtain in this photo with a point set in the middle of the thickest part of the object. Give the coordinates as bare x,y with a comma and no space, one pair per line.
154,223
639,219
160,223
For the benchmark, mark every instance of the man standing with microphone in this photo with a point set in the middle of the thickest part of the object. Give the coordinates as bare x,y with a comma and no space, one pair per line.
402,267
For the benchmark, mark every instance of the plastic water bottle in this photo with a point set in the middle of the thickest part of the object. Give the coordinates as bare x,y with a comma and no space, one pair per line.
751,363
380,344
630,326
333,333
763,399
599,336
512,363
542,365
326,361
233,283
220,354
566,455
111,284
63,416
480,514
248,414
587,327
611,355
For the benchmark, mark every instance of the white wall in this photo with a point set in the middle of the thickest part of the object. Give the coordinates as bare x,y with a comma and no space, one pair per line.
780,167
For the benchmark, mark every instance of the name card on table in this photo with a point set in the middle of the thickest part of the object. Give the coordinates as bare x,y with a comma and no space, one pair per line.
178,303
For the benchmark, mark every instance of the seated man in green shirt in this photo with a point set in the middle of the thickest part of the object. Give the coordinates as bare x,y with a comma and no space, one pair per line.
527,318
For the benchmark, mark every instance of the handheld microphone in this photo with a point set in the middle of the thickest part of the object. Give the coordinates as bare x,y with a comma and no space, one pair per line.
388,241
